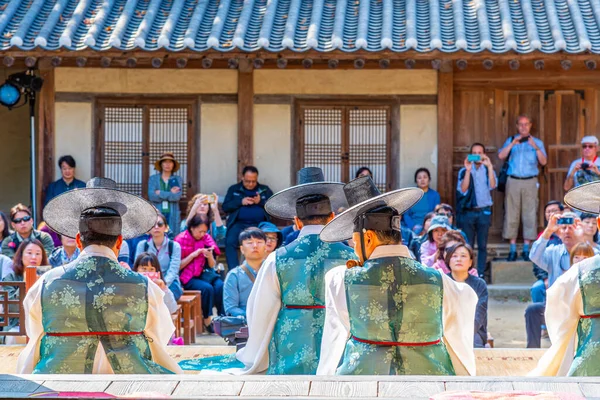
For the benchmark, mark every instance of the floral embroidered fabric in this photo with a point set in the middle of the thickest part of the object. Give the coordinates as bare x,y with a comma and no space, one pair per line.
95,295
301,267
395,299
586,358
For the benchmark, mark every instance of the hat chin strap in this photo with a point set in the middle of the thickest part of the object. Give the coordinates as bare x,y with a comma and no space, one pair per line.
361,233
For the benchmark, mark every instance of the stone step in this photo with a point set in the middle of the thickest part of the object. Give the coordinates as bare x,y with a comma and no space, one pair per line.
512,273
509,292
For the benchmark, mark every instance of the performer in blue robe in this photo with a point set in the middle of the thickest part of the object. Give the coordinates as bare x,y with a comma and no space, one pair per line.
93,315
286,308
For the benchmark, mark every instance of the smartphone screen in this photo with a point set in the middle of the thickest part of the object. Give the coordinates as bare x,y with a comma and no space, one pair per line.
565,221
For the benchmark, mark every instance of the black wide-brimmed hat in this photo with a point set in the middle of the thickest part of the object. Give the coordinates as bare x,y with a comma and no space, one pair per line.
585,198
311,181
63,213
363,195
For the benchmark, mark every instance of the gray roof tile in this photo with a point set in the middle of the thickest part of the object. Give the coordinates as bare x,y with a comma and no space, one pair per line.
300,25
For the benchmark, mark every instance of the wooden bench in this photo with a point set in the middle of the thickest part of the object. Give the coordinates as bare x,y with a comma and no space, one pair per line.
199,316
188,305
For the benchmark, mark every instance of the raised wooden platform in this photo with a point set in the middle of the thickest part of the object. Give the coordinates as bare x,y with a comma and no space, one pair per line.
490,362
279,387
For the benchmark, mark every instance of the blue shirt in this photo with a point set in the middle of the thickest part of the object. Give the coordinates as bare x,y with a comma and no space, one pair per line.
236,291
414,217
523,161
60,187
59,257
554,259
479,176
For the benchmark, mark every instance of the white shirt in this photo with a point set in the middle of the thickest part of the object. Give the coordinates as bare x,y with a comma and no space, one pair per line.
159,326
459,303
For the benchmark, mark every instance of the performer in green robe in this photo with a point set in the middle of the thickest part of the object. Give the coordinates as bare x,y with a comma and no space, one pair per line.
388,314
286,308
573,306
93,315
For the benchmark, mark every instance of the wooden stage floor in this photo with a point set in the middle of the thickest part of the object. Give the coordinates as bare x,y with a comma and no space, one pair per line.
500,371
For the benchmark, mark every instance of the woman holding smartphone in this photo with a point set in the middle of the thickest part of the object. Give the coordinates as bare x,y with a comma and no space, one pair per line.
198,259
165,189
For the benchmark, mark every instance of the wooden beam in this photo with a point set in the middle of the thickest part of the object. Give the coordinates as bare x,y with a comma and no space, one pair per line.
45,126
445,135
245,115
312,54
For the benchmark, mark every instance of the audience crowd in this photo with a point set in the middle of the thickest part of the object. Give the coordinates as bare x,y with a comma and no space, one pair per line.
186,254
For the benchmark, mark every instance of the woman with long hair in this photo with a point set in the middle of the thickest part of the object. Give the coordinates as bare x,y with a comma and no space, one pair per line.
30,253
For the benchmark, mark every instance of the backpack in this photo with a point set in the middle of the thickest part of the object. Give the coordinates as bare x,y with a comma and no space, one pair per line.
169,247
503,175
467,201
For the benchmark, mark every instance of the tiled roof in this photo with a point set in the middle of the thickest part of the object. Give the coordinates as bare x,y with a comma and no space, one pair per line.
274,25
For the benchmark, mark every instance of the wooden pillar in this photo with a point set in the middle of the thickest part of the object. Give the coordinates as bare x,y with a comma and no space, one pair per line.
245,115
45,132
445,133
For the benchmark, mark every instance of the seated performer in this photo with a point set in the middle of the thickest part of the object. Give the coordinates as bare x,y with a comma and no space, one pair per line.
391,315
92,316
286,308
573,307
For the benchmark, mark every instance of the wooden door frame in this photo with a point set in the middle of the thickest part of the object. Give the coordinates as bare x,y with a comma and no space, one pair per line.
193,135
392,154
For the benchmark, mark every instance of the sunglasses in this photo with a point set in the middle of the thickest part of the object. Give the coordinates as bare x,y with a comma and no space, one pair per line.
159,224
588,146
26,218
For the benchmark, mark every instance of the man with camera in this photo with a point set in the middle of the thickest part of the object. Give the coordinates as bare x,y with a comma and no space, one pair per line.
524,154
586,169
474,200
555,260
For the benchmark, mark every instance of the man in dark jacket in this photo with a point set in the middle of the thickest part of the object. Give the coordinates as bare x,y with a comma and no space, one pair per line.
245,206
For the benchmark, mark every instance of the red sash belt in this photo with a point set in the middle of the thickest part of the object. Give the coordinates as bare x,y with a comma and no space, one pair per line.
315,307
93,333
402,344
591,316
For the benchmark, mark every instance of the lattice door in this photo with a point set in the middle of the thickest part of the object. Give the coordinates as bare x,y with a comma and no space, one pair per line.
369,137
323,141
132,138
123,147
341,139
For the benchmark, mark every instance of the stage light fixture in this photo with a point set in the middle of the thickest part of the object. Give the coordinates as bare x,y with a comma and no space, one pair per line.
9,95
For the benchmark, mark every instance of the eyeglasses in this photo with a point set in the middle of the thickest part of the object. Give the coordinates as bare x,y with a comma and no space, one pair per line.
26,218
159,224
588,146
444,214
271,240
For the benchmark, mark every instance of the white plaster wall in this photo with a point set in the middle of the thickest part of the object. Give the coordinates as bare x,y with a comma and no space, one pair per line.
218,147
418,142
272,144
73,130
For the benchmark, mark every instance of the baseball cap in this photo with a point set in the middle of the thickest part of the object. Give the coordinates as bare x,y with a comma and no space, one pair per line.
590,139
